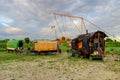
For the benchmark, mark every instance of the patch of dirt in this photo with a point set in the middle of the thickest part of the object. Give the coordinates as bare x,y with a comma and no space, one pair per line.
60,69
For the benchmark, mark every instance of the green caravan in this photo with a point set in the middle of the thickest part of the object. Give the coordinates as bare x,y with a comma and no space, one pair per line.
14,45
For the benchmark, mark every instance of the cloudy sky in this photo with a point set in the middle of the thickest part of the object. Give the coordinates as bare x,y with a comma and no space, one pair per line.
34,18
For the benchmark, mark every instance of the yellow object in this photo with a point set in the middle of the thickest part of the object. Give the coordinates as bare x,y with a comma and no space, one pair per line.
95,53
79,45
46,46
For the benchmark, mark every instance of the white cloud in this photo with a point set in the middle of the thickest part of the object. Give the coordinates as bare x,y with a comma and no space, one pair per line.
118,26
4,24
12,30
21,2
34,17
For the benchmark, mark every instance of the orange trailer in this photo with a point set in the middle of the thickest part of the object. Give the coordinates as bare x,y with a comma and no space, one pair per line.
45,46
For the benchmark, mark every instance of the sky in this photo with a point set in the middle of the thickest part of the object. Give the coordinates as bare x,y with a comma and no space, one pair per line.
34,18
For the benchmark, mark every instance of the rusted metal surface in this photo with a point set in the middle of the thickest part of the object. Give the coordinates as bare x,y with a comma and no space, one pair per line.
90,42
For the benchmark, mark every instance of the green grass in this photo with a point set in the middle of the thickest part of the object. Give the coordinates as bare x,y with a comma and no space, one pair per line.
9,57
30,45
116,49
64,47
2,46
112,45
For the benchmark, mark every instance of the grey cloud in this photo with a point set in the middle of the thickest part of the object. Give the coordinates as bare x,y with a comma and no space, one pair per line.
32,15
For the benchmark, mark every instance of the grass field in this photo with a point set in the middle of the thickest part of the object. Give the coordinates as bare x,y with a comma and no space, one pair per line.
56,67
116,50
9,57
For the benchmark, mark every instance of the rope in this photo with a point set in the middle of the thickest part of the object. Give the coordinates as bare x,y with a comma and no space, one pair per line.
98,27
84,24
58,24
75,25
54,29
74,31
63,25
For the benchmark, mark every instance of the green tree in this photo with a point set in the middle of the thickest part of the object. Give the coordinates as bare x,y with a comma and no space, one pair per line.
27,40
109,40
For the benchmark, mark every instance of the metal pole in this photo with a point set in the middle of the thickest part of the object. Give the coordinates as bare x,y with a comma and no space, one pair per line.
98,41
53,28
55,34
